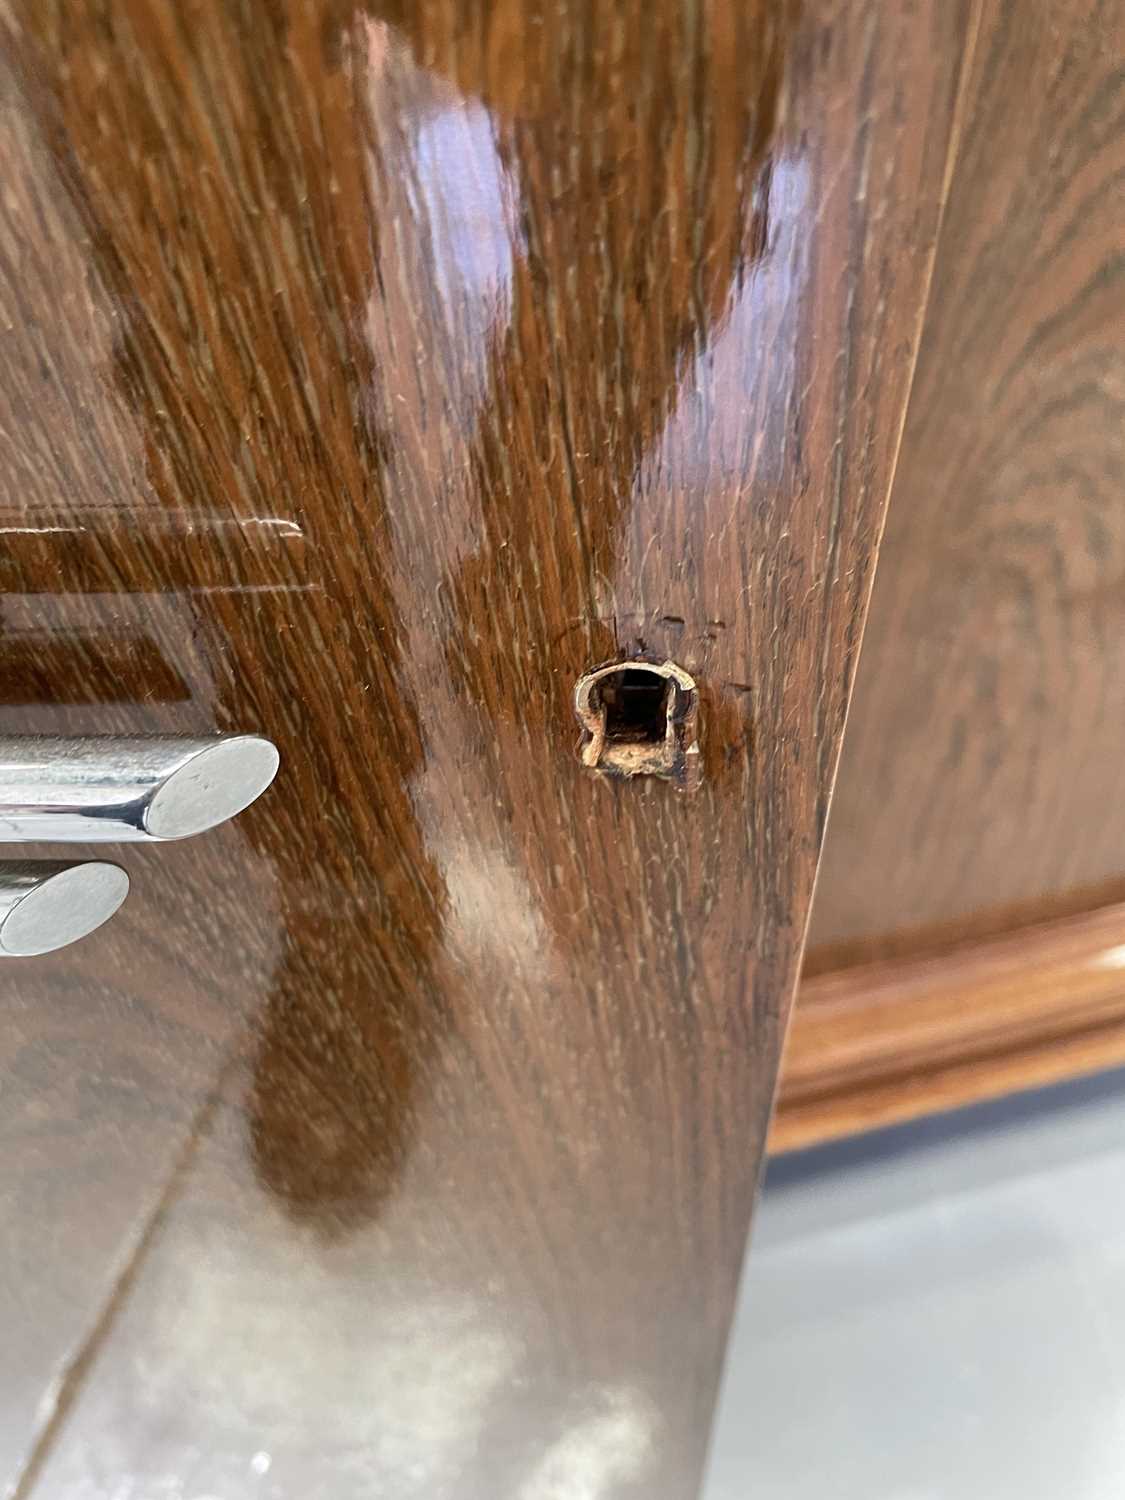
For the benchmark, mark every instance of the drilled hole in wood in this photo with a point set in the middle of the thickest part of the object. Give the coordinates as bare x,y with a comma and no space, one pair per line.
640,720
636,705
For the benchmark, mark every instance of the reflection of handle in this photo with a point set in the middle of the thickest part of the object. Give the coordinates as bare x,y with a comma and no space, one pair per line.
107,790
45,904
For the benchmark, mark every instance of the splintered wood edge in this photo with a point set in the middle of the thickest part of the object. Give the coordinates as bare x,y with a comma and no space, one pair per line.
676,759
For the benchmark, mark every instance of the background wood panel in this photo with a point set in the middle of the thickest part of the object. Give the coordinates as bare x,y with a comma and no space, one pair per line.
395,367
983,783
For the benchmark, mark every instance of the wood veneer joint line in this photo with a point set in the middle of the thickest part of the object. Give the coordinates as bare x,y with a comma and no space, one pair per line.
67,1387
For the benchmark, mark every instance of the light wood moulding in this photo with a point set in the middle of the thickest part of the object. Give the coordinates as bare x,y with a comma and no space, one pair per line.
887,1042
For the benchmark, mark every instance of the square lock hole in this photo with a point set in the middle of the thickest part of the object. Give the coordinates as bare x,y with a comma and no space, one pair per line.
636,706
639,719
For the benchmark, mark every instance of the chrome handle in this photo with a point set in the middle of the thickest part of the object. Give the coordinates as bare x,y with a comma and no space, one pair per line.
110,790
46,904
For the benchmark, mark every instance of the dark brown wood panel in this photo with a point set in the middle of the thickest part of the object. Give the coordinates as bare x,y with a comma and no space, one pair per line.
983,781
392,367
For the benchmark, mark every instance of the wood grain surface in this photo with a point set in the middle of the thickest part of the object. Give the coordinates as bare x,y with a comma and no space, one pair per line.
378,371
886,1042
983,784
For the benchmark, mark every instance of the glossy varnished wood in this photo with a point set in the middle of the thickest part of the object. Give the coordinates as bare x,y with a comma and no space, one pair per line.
391,368
982,782
886,1042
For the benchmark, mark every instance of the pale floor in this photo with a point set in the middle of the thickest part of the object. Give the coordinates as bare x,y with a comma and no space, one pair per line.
938,1313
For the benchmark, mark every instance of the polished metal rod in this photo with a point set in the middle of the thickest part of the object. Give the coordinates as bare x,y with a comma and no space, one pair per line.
46,904
109,790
